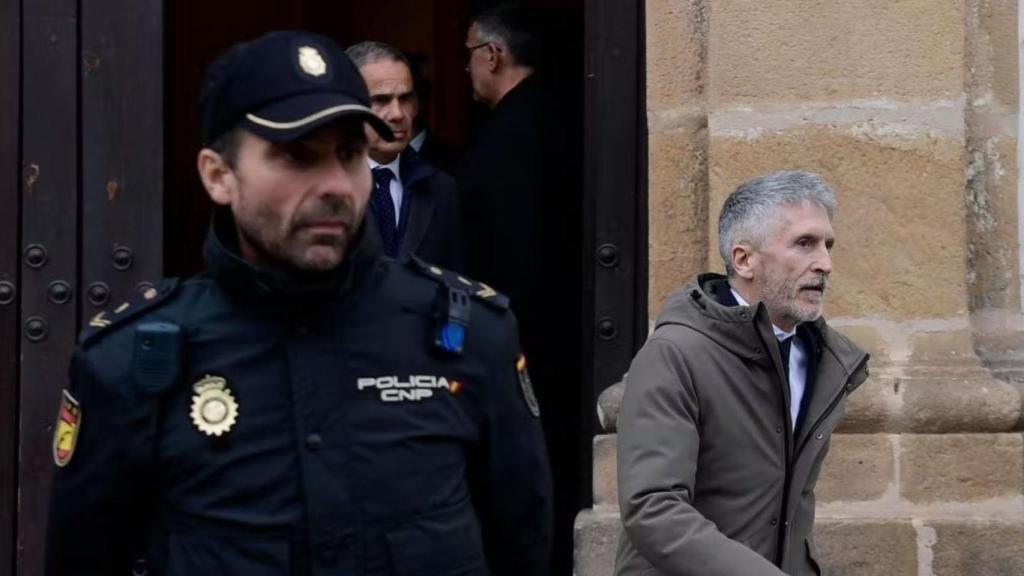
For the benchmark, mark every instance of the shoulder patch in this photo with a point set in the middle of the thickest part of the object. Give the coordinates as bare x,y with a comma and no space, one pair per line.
65,433
479,290
527,387
101,323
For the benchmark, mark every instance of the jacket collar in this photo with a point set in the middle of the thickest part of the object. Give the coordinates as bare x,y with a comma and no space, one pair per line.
246,279
702,304
413,168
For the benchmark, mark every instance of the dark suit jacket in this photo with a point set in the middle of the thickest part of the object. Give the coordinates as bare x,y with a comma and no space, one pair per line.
429,224
520,190
505,180
438,153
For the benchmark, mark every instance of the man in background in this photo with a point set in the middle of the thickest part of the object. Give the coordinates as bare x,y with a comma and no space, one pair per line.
519,187
414,205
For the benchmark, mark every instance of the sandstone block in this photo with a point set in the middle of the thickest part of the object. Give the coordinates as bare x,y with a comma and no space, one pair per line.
606,485
785,50
961,467
992,214
871,339
959,405
596,537
675,51
992,39
933,404
1001,343
951,347
858,467
895,256
608,404
867,547
677,210
978,547
870,407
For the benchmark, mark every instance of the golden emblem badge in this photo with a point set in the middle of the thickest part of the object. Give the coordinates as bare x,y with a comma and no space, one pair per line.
69,420
214,409
311,61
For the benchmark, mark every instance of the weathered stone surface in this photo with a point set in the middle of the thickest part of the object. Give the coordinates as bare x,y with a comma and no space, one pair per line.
676,45
871,407
606,486
961,467
895,257
948,347
867,547
871,339
959,405
978,547
597,535
784,50
993,248
608,404
992,49
677,210
858,467
933,404
999,338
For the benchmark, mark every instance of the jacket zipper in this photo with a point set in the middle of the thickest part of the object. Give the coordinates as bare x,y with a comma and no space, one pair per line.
783,517
832,405
788,455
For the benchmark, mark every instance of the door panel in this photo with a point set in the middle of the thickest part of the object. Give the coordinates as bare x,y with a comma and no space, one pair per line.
122,150
49,251
615,211
10,100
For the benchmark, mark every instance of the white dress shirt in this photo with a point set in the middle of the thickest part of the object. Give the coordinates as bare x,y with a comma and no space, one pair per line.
797,368
397,191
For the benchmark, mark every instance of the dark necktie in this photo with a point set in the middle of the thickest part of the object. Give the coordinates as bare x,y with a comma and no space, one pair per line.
784,348
384,209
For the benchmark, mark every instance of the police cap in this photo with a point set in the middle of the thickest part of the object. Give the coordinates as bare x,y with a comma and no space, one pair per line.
281,86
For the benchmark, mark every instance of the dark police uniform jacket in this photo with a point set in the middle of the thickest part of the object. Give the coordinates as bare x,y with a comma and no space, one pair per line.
358,448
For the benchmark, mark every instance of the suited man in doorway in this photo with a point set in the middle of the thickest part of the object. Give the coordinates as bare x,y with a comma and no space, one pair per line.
414,205
521,197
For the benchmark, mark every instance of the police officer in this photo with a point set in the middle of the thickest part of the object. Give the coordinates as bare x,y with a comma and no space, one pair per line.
306,406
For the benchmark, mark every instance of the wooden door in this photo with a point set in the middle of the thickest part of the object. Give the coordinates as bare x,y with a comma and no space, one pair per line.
84,221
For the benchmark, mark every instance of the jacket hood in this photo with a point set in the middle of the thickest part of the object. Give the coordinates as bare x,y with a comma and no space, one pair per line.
742,329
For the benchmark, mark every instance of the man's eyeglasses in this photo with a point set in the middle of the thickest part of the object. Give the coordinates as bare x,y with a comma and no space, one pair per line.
471,49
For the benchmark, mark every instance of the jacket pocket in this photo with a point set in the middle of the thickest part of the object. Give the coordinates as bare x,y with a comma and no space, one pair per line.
443,543
227,555
813,566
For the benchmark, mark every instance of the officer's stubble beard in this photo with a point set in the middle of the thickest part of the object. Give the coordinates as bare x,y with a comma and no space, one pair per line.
284,249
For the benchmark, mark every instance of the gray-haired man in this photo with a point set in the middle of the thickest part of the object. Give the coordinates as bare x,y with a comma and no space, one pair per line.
414,206
731,403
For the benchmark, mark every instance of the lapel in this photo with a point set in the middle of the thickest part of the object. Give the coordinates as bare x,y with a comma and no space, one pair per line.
419,202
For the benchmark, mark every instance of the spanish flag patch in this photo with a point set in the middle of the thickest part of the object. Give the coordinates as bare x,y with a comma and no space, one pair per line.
527,386
65,434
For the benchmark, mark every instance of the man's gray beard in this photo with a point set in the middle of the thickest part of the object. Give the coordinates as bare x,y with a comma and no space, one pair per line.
775,295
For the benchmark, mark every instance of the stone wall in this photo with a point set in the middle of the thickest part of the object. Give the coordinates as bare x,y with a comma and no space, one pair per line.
909,110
